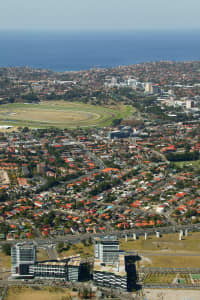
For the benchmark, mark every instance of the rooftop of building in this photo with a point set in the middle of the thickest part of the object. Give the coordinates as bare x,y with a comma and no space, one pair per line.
72,257
74,263
117,269
69,260
52,263
107,238
25,245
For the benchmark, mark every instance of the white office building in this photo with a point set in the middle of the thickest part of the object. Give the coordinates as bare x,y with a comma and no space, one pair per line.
106,249
67,269
49,269
22,256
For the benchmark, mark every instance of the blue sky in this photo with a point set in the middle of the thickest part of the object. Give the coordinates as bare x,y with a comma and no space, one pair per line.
99,15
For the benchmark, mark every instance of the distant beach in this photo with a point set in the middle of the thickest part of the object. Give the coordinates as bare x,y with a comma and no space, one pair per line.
72,51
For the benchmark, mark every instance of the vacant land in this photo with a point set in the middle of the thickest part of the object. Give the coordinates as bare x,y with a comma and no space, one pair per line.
83,250
39,293
42,254
161,294
168,243
5,262
166,251
61,114
169,261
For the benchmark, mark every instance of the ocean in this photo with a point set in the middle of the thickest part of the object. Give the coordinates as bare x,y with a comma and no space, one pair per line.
73,51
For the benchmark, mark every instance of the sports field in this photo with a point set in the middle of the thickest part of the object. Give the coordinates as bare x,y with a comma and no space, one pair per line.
61,114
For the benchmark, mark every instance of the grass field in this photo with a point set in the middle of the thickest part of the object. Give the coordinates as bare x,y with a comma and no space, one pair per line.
195,276
41,254
61,114
159,278
162,261
168,278
42,293
168,242
194,164
84,251
5,262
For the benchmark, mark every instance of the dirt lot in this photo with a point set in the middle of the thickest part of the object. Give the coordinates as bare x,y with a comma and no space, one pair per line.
24,293
159,294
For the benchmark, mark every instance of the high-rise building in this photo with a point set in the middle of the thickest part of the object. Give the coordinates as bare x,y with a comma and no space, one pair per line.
112,267
22,256
189,104
107,249
148,88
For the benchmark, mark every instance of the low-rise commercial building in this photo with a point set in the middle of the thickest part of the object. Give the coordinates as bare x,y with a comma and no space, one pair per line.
113,276
49,269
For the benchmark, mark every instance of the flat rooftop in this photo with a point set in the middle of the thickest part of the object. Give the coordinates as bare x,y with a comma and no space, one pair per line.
25,245
118,269
52,263
106,238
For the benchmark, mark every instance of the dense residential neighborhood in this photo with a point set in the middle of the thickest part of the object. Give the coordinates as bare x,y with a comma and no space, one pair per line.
56,182
128,177
140,172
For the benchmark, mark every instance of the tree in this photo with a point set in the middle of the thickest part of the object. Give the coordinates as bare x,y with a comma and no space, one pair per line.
25,129
3,196
60,247
116,122
6,248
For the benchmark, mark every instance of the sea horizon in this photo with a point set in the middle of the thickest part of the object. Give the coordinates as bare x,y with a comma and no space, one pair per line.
61,50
